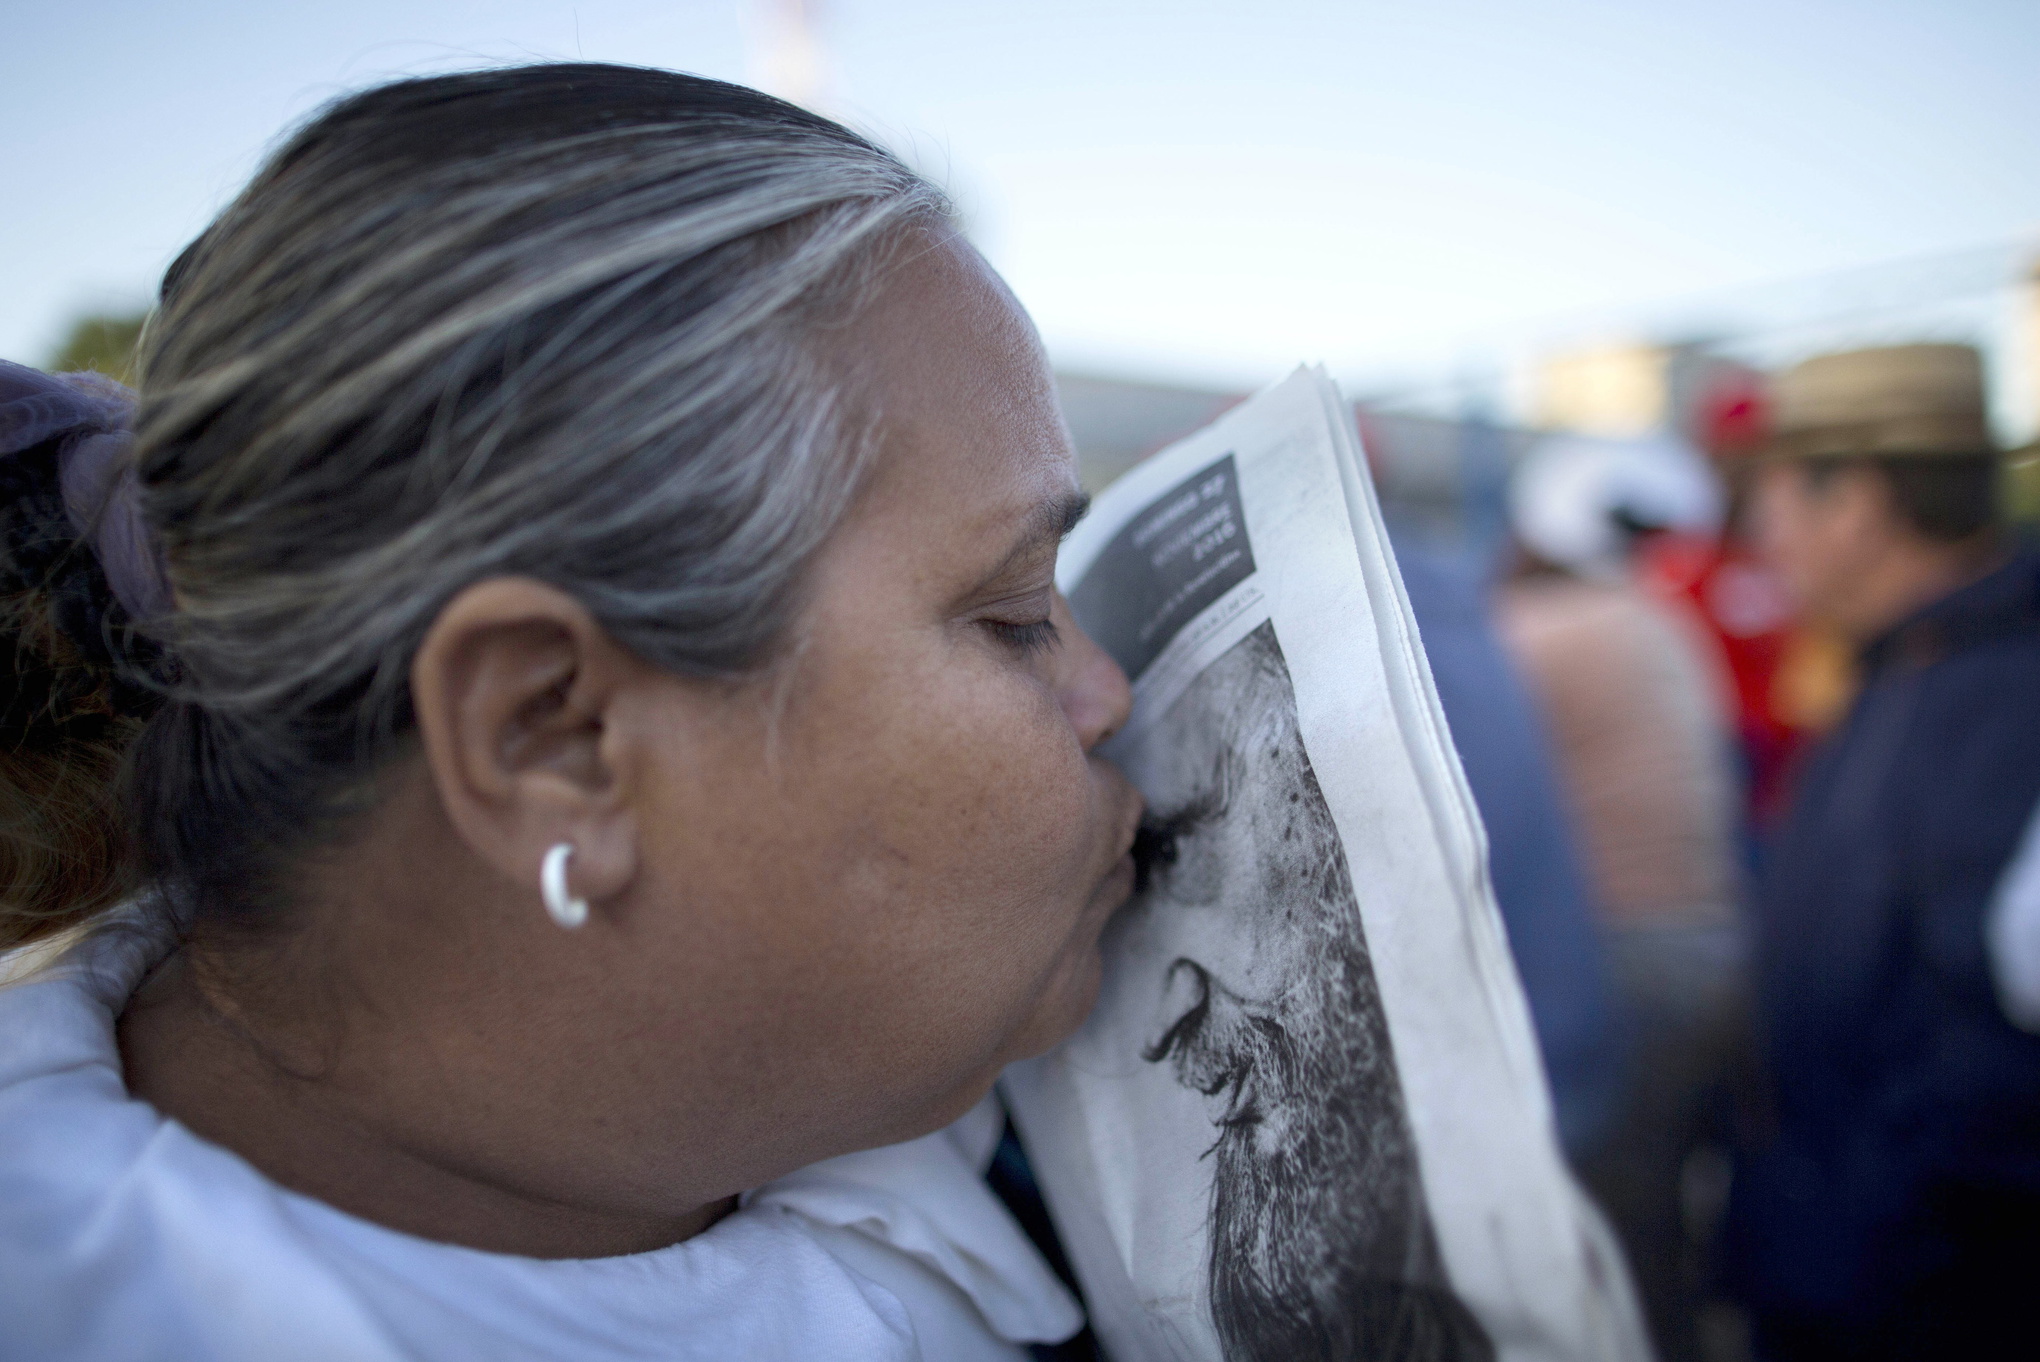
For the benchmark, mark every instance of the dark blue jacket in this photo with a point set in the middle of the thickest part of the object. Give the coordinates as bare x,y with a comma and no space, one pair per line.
1905,1158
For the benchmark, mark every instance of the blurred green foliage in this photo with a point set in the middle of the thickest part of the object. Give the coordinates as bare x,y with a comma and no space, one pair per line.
104,343
2022,484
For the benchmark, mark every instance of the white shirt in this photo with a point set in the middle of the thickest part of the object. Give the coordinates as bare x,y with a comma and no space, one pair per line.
2012,931
125,1236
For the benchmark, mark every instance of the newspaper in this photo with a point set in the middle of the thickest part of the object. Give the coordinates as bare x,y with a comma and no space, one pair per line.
1308,1118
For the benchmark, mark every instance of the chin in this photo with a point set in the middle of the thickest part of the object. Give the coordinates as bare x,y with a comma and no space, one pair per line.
1063,1007
1057,1013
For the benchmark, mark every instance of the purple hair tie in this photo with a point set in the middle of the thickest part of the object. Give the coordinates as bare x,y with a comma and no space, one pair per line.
90,416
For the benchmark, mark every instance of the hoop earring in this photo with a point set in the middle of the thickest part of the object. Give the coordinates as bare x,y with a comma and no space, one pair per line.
562,907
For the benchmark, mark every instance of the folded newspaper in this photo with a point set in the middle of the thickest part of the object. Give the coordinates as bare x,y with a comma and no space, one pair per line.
1307,1118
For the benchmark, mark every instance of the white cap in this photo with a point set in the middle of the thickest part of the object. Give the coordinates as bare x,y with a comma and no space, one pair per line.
1570,494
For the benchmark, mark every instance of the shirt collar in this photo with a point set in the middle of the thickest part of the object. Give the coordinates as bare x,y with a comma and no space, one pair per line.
2003,602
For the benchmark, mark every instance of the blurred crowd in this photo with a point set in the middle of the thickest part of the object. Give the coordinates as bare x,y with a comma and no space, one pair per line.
1753,718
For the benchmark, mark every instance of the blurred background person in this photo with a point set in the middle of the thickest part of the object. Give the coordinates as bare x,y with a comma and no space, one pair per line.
1635,700
1717,580
1893,1209
2013,932
1540,886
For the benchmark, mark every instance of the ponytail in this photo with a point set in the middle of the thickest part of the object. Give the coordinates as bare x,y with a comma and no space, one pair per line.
77,689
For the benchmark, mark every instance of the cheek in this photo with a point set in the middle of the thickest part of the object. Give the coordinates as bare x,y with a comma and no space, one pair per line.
858,903
987,797
1786,535
1240,909
962,847
1284,858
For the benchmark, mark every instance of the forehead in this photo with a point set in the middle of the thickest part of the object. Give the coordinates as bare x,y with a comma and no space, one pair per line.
1795,476
972,433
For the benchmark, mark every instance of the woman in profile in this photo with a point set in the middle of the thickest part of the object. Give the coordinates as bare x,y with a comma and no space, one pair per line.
548,724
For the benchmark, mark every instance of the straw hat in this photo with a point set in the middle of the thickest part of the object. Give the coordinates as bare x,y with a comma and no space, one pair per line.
1901,399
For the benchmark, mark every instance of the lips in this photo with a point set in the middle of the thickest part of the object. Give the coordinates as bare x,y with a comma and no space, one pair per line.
1114,890
1122,878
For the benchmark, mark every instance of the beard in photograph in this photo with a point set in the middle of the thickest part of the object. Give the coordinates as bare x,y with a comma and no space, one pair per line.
1321,1245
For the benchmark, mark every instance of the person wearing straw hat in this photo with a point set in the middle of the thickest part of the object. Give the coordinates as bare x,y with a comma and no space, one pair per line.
1892,1207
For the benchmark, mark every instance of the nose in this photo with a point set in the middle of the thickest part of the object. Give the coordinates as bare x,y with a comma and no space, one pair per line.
1092,689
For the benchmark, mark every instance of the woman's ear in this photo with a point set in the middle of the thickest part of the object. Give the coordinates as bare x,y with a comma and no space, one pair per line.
514,687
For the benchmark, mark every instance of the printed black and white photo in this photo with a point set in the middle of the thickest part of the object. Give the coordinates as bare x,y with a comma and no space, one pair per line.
1306,1118
1321,1245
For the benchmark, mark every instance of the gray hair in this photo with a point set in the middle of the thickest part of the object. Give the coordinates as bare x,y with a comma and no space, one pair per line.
558,321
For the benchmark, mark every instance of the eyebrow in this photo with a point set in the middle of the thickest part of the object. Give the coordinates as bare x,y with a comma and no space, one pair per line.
1154,843
1047,523
1213,798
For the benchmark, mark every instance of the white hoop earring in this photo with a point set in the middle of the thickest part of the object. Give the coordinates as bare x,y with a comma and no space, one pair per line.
561,906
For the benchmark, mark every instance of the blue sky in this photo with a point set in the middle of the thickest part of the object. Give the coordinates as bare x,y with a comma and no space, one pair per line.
1202,190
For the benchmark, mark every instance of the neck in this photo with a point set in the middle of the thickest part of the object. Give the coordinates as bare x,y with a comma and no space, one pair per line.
1908,576
316,1135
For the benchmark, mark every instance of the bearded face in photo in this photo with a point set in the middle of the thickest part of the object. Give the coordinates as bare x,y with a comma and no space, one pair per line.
1321,1243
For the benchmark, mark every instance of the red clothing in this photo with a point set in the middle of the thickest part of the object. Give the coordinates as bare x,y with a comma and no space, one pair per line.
1745,610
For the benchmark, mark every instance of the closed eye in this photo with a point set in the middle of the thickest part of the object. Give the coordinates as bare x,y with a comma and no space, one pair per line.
1156,844
1029,639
